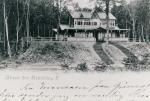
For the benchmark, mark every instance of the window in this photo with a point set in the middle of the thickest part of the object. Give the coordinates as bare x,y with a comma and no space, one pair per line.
85,23
79,23
75,22
95,23
92,23
113,24
89,23
110,24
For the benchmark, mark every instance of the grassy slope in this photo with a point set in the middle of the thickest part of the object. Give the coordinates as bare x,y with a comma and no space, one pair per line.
114,53
58,54
126,51
137,48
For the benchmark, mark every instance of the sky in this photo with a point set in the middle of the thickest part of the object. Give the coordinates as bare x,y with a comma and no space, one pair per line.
85,3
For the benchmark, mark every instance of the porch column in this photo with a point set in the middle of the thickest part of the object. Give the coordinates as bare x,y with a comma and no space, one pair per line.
67,33
119,33
111,33
76,33
85,33
123,34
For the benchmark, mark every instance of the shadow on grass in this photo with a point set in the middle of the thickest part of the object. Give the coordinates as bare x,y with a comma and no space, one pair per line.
99,50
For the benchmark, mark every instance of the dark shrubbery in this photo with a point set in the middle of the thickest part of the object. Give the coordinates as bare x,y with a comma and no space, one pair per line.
137,65
101,67
82,67
130,63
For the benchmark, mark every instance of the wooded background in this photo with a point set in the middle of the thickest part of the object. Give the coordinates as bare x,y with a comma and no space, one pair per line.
24,18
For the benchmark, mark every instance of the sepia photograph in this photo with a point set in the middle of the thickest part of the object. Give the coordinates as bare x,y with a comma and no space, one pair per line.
92,50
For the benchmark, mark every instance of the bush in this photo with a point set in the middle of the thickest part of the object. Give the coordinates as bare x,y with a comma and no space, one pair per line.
135,65
65,66
101,67
82,67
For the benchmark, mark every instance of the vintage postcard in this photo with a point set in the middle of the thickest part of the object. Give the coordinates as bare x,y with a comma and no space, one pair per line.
74,50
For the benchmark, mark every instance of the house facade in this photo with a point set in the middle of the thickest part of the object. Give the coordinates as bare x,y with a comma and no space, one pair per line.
91,26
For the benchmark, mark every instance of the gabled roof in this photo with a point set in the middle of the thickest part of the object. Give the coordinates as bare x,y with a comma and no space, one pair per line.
88,15
102,15
75,14
81,14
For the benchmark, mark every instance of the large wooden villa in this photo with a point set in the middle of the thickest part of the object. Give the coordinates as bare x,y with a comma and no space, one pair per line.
91,26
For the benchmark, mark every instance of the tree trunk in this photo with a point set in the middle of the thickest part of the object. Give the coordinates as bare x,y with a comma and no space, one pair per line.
27,21
6,29
17,27
7,36
142,34
38,28
107,21
133,24
147,39
4,35
44,30
58,15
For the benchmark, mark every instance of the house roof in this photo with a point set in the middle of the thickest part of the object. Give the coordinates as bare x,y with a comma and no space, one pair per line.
102,15
64,27
75,14
88,15
81,14
111,28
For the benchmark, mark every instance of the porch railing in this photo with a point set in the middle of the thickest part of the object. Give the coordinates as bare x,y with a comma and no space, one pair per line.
58,39
119,39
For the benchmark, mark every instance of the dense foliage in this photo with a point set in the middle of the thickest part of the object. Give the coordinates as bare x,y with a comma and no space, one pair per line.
134,16
39,17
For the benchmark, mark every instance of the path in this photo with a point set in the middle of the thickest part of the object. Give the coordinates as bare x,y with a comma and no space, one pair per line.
127,52
114,54
99,50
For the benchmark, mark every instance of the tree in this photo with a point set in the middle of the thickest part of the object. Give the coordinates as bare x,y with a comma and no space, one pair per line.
6,28
106,4
65,15
98,8
122,15
132,12
27,20
19,21
143,21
